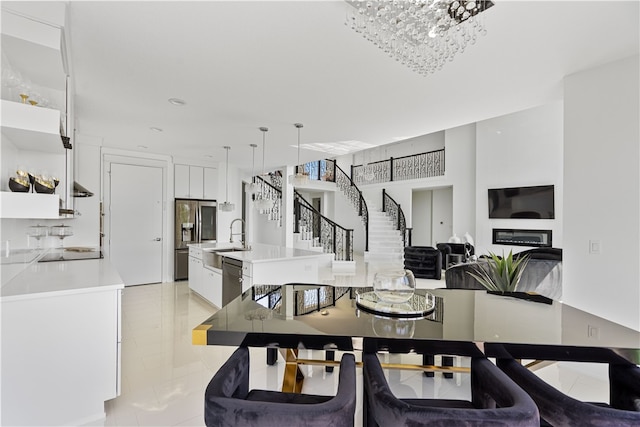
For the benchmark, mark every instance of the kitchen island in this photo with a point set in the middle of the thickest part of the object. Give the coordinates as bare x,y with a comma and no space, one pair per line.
61,334
262,264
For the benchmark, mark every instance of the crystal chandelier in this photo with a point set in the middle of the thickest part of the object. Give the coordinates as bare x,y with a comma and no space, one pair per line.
299,179
421,34
226,206
262,201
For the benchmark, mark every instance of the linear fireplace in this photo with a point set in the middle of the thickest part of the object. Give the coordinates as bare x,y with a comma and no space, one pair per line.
517,237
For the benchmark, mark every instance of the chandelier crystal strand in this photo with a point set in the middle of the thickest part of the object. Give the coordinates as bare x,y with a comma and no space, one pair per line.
227,206
420,34
263,202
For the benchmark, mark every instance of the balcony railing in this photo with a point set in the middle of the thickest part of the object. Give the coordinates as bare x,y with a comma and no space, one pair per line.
415,166
321,170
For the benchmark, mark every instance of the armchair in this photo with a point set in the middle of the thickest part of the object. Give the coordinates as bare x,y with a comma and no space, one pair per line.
228,401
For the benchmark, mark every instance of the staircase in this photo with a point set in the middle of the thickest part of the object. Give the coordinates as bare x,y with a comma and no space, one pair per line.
385,241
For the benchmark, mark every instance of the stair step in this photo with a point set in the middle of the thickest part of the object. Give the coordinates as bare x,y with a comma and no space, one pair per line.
388,250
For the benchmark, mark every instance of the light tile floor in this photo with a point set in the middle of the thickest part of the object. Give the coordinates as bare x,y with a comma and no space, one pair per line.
164,375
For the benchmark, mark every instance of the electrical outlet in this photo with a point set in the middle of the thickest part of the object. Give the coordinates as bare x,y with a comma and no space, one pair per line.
593,332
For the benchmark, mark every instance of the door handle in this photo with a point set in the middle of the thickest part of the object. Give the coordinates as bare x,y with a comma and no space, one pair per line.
239,279
157,239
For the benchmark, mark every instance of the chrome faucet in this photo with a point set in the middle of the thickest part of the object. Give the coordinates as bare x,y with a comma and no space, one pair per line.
242,233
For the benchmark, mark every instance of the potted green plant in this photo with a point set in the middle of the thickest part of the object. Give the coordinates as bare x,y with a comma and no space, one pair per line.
500,274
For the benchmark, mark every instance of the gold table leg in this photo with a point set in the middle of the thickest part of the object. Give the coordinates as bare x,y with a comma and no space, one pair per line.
293,377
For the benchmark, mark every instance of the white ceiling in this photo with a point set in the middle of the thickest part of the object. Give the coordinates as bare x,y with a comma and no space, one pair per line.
240,65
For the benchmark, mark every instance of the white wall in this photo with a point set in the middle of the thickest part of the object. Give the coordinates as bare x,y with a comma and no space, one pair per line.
421,209
602,191
460,174
519,149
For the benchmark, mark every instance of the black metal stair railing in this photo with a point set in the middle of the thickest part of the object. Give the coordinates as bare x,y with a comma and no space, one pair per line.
393,209
269,191
310,223
353,193
331,236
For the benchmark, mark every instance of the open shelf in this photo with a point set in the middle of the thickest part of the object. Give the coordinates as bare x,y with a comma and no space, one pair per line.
29,205
31,128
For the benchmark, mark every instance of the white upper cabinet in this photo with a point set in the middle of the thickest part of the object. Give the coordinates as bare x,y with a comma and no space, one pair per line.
195,182
181,182
211,183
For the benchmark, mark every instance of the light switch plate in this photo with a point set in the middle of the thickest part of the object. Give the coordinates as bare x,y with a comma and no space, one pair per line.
595,247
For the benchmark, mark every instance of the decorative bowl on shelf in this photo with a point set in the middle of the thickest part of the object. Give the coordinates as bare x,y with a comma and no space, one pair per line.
18,185
44,186
394,286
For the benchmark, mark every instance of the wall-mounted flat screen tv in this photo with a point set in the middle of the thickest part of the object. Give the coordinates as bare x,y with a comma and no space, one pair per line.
522,202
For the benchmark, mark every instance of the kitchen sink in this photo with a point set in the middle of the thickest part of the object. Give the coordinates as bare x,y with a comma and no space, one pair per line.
213,257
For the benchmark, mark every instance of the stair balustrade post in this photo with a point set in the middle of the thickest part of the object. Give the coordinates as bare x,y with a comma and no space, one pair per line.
335,254
366,236
296,210
398,224
347,246
391,168
351,172
383,194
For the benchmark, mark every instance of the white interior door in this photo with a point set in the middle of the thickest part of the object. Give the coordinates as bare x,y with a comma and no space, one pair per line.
135,216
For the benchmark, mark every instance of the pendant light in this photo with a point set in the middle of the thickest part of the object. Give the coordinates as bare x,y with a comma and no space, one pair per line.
226,206
262,202
298,179
253,187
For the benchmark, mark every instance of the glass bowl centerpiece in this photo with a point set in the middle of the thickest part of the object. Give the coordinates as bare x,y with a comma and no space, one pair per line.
394,286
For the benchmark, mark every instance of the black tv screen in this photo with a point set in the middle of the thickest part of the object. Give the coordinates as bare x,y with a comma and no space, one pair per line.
522,202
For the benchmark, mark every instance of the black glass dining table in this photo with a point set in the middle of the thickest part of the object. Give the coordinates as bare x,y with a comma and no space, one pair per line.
324,317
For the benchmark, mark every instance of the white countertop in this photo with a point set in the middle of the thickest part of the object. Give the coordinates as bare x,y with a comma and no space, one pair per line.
41,279
261,252
214,246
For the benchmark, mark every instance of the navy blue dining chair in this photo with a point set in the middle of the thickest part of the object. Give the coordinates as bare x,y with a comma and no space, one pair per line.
496,401
229,402
559,409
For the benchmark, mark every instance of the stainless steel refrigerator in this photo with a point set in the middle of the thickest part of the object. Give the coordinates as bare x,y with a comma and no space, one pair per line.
196,221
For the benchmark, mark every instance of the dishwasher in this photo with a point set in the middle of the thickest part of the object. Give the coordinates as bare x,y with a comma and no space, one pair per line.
231,279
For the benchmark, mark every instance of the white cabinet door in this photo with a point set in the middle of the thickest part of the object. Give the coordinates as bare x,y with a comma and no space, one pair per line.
181,181
211,183
213,287
196,182
195,275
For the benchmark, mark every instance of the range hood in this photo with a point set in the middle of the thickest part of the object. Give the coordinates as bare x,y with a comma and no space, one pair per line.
80,191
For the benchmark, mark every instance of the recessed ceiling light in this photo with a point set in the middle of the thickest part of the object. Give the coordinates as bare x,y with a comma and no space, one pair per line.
155,129
143,147
177,101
